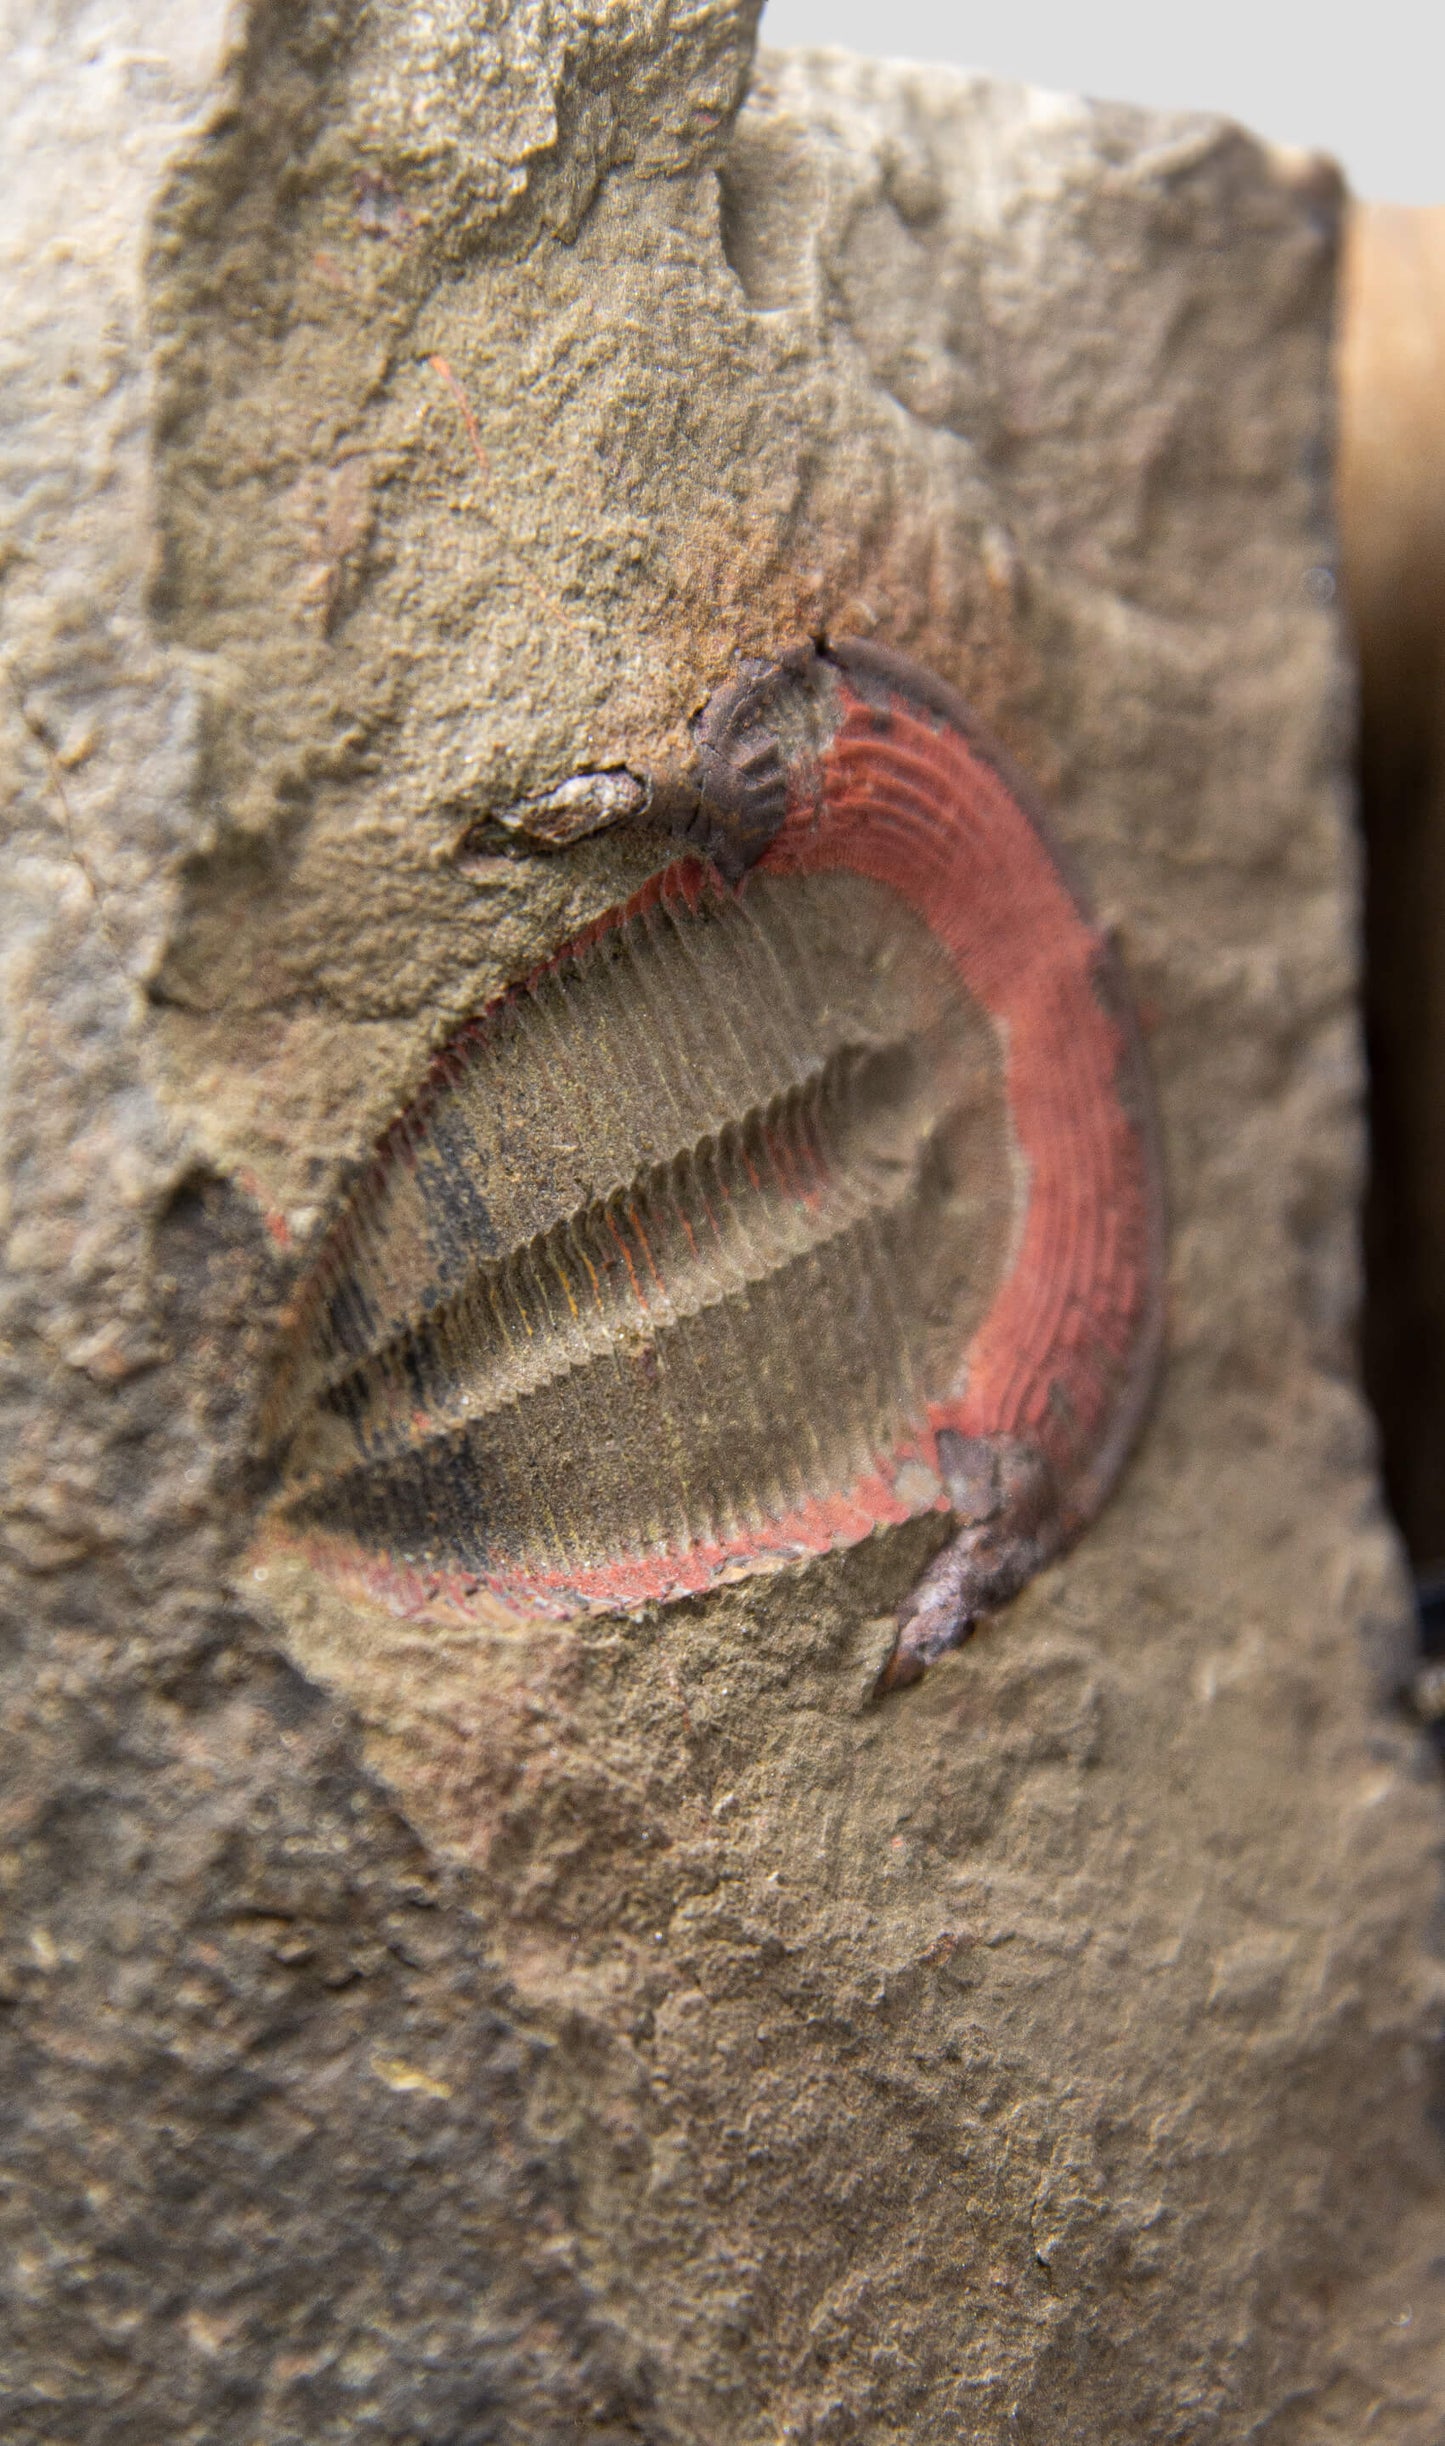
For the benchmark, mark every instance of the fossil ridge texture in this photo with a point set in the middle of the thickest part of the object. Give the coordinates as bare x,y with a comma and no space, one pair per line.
813,1189
635,2029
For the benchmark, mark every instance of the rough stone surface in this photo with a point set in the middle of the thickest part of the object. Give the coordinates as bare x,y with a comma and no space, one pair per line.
633,2031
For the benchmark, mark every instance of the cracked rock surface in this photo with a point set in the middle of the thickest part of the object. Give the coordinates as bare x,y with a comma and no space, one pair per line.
633,2031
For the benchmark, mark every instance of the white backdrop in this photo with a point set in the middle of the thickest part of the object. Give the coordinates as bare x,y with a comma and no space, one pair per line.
1364,82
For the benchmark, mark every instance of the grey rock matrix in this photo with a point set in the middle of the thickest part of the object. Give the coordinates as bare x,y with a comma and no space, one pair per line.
636,2031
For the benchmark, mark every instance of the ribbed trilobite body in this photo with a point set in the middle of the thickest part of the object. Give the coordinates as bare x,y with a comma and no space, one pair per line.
679,1238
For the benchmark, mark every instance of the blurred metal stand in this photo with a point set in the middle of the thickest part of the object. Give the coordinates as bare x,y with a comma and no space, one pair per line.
1392,517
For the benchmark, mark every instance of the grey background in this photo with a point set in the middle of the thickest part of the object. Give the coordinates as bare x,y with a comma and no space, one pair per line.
1363,82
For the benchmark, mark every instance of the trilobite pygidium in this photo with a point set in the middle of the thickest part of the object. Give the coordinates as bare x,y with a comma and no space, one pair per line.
810,1190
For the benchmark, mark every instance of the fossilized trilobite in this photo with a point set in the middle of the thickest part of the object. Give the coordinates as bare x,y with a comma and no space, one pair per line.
810,1190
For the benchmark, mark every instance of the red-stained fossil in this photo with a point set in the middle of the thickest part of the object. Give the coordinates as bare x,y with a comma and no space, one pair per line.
812,1189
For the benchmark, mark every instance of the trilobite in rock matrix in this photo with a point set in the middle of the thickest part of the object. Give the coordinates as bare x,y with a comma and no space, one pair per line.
811,1189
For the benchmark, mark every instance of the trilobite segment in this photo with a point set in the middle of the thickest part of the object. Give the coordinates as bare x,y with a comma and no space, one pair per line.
679,1240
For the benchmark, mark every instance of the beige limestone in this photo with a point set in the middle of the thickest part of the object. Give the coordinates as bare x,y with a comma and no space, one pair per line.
636,2030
